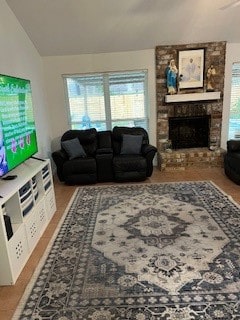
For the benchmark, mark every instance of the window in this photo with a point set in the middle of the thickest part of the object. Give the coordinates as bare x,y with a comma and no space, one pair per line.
103,101
234,118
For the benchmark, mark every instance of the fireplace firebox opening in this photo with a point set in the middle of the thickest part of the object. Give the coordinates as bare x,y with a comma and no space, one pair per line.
189,132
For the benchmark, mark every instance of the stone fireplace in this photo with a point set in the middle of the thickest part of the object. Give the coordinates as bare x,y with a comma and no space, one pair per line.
193,127
189,132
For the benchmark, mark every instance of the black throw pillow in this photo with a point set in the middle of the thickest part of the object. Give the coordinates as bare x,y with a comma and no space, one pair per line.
73,148
131,144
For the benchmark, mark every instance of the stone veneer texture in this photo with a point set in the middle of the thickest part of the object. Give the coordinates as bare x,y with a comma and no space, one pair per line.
214,55
187,158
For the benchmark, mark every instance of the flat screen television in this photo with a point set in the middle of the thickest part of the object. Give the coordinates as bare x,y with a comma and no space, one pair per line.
18,140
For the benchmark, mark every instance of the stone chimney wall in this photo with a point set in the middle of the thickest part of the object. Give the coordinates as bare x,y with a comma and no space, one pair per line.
214,55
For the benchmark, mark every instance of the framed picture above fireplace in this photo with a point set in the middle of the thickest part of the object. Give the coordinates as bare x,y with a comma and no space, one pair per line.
191,68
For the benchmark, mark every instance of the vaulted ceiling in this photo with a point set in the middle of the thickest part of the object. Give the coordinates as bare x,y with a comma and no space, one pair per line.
72,27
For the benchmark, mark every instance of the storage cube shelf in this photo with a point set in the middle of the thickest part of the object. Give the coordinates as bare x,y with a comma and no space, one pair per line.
29,201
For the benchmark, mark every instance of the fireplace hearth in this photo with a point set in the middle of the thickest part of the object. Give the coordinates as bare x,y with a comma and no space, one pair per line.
189,132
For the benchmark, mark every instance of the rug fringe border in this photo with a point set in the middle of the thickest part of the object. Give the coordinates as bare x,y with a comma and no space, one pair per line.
226,194
37,271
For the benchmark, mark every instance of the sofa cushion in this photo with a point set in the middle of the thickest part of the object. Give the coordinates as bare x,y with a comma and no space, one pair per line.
87,138
129,167
131,144
80,171
104,139
118,132
233,160
73,148
233,145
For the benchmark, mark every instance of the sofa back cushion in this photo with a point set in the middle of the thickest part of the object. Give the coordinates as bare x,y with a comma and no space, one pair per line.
233,145
104,139
118,132
87,138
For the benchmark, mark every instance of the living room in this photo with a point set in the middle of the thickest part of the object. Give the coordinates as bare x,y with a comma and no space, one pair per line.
46,73
20,58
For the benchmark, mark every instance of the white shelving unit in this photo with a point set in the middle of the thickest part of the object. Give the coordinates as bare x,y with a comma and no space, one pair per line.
29,201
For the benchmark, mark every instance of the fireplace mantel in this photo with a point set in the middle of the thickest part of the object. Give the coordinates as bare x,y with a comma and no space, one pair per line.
192,97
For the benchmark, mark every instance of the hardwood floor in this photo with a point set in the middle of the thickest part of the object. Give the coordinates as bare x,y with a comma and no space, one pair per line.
11,295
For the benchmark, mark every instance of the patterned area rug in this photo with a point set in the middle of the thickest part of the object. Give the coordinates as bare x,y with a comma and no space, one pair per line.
167,251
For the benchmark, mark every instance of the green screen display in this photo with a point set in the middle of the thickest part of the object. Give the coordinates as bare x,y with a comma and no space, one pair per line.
18,139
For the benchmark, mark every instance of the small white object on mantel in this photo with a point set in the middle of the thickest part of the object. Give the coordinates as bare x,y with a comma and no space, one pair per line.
214,95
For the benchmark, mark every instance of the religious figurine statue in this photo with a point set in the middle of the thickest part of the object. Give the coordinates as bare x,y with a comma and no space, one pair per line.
211,72
171,75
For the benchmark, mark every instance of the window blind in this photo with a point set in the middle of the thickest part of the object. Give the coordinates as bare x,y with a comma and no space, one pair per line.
106,100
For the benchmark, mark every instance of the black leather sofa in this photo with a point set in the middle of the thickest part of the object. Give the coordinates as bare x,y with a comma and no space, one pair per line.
232,161
88,156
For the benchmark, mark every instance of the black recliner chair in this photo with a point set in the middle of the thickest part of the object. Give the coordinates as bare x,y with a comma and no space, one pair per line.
232,161
130,164
81,167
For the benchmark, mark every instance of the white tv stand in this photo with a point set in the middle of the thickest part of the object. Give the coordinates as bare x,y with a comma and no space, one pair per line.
29,201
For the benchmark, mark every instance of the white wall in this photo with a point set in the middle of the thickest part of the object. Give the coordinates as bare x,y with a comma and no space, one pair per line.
232,55
18,57
55,67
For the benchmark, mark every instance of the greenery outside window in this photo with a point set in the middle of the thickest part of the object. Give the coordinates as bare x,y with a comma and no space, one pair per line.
105,100
234,117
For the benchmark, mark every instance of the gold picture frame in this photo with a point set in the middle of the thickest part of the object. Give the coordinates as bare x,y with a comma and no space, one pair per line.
191,68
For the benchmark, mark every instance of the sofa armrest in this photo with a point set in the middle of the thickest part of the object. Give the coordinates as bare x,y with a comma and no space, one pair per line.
148,148
59,158
149,151
233,145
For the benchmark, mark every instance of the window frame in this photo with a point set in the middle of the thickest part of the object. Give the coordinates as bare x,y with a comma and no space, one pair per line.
106,76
